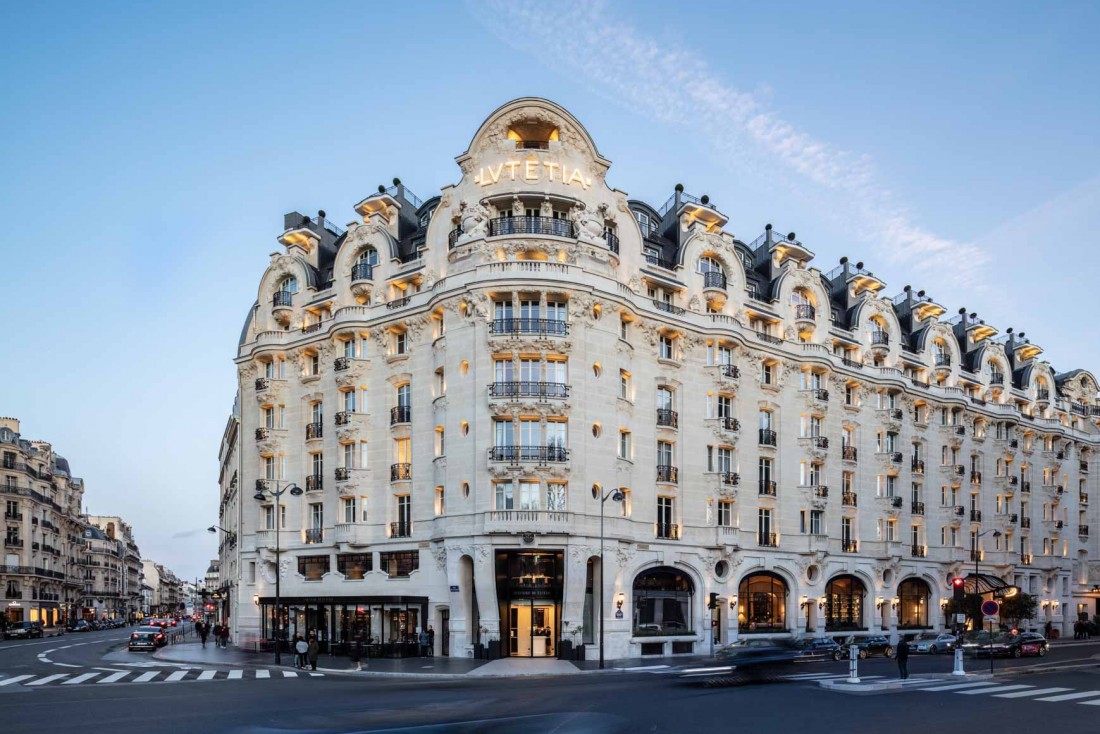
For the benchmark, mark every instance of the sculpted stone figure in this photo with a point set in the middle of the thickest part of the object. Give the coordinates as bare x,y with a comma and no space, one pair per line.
475,221
589,222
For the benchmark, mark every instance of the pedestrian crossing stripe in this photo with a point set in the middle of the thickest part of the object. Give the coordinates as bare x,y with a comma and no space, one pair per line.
1020,692
152,676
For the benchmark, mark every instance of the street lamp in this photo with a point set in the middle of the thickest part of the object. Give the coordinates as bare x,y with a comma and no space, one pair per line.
977,555
617,495
263,491
230,536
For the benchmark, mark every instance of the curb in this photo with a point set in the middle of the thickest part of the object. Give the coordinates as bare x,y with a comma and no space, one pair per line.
864,689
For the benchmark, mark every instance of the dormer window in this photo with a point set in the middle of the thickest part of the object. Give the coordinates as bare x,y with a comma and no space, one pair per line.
533,135
644,222
289,284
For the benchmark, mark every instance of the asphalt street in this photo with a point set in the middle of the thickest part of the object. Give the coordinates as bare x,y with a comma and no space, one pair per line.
650,701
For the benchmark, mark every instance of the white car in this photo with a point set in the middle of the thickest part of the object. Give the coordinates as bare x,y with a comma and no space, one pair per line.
932,643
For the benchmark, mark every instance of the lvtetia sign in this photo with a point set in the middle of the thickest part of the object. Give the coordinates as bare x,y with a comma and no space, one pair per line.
532,171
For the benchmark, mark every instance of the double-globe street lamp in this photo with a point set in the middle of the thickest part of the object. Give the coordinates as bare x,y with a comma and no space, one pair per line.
617,495
263,492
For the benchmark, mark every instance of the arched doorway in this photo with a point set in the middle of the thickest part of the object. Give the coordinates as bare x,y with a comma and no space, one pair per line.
844,598
762,603
914,596
662,602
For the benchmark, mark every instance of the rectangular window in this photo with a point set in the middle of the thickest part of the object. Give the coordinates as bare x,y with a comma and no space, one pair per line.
817,522
349,508
502,491
440,501
348,451
399,564
725,513
666,348
529,498
400,343
349,401
316,515
624,384
624,444
313,567
555,496
354,565
624,329
767,373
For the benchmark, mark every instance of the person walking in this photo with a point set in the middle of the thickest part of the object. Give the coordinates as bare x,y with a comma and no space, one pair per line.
356,652
422,640
223,638
300,650
203,632
902,654
431,642
312,651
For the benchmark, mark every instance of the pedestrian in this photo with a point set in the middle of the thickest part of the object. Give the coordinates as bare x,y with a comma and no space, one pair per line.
300,650
431,642
902,654
201,629
312,651
1048,627
223,638
356,652
422,640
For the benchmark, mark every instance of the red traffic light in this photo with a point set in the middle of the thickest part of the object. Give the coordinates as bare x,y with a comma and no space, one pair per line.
958,581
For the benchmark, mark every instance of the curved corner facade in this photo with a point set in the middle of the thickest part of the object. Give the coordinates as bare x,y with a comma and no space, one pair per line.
468,389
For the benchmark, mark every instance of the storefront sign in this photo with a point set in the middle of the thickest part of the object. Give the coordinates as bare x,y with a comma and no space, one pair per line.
532,171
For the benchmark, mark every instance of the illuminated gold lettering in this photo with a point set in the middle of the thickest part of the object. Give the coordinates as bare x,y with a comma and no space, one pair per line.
494,176
552,167
512,166
531,170
575,176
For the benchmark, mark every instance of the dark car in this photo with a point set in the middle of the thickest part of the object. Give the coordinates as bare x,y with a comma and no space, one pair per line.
1027,643
147,638
23,630
821,648
744,661
82,626
870,646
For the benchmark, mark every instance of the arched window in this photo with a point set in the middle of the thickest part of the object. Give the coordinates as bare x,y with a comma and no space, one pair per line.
713,275
844,603
368,256
289,284
763,603
913,597
662,602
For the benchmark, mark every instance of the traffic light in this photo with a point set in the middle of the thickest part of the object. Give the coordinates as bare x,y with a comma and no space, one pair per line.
957,584
713,603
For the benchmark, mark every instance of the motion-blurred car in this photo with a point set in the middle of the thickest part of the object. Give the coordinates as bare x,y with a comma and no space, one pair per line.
870,646
821,648
1027,643
974,639
932,643
147,638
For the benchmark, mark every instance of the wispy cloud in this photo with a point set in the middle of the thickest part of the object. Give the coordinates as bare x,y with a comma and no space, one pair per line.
189,533
674,85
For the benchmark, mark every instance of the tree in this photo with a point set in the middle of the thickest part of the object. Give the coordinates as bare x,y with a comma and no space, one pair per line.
971,606
1016,609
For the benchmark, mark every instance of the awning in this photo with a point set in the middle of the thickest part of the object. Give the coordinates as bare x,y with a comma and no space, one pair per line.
983,583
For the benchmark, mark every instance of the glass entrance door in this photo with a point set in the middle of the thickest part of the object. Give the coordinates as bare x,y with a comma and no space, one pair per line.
531,629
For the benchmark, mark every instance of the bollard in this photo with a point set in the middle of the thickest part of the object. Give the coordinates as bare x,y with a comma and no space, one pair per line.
853,664
958,662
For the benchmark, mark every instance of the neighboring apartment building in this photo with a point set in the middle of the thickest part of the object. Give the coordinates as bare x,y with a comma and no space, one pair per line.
118,550
467,389
165,587
40,579
225,577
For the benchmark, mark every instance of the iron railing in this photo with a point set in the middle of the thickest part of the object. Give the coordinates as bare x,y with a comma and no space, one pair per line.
362,271
766,487
768,437
400,472
668,418
524,325
531,225
714,279
551,454
528,389
803,311
314,483
314,430
400,414
668,473
282,299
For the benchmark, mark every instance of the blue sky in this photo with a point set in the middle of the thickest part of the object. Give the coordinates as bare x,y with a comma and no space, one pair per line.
151,150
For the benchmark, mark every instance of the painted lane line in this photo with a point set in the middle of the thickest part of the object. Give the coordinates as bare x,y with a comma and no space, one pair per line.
207,675
16,679
1025,694
113,677
289,674
1070,696
235,674
47,679
80,679
68,665
997,689
1091,703
261,674
316,675
178,675
146,677
960,686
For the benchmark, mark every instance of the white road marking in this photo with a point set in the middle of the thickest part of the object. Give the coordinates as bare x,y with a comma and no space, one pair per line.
316,675
207,674
16,679
115,677
178,675
263,674
47,679
997,689
1091,703
80,679
68,665
1070,696
959,686
235,675
289,674
1025,694
146,677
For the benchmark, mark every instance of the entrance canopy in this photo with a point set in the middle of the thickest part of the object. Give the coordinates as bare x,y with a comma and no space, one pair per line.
983,583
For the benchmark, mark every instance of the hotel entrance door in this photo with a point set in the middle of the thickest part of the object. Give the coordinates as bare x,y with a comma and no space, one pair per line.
531,629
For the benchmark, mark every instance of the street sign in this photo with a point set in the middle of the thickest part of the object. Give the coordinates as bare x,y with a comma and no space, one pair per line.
990,618
990,609
960,618
454,588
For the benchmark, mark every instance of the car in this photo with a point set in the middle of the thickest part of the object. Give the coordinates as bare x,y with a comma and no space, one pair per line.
1026,643
173,621
147,638
973,640
23,630
821,648
872,645
932,643
162,623
80,626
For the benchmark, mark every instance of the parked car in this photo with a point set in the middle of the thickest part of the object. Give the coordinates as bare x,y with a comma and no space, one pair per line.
873,645
147,638
23,630
821,648
932,643
82,626
1027,643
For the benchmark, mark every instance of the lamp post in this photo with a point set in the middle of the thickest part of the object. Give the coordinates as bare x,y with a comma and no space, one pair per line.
263,491
617,495
978,554
230,536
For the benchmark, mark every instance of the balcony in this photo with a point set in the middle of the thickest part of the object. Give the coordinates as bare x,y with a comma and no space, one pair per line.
280,306
959,470
1083,467
918,551
996,378
362,271
851,363
917,508
314,483
880,341
13,542
401,529
976,478
668,418
975,555
942,360
667,531
262,383
917,465
400,414
343,418
13,516
849,453
668,473
805,314
528,389
849,499
540,521
668,307
552,454
847,545
1042,396
820,490
896,457
611,239
1083,531
1025,487
714,289
452,238
766,488
652,258
343,473
730,478
341,363
731,371
401,472
767,437
960,511
528,326
733,425
314,431
1083,498
531,225
315,535
767,540
975,516
262,434
1025,559
768,338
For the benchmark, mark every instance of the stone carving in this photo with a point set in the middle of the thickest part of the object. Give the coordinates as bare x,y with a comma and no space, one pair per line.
634,284
581,553
624,554
590,222
474,219
693,304
518,209
439,553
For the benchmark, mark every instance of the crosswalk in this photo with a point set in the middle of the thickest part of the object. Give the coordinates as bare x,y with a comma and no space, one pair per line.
152,676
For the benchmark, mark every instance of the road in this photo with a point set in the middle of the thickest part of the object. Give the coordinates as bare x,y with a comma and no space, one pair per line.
653,701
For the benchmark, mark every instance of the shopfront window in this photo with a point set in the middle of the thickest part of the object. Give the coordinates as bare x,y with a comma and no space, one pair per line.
844,603
662,602
399,564
354,565
313,567
913,598
763,603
